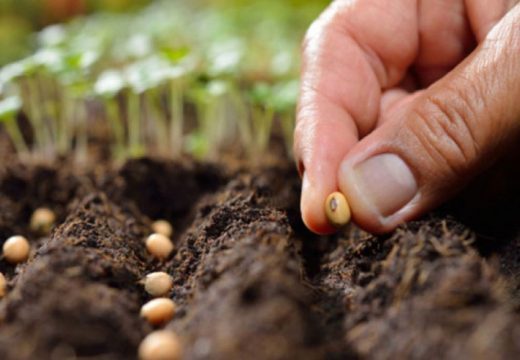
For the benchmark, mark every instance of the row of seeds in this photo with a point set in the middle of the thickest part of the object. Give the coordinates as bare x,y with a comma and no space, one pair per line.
160,344
16,249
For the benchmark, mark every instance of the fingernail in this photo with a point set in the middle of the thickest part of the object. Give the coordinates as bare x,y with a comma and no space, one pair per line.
385,182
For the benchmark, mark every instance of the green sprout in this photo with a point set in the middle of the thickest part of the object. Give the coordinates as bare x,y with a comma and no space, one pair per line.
107,87
262,114
9,108
143,77
181,64
283,100
235,66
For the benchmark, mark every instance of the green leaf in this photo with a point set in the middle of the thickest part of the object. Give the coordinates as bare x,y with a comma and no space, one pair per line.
9,107
109,83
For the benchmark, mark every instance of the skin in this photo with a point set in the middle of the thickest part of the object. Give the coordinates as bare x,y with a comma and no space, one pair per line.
435,82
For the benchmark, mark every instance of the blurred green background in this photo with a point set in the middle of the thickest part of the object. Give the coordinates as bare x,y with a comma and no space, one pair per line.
19,19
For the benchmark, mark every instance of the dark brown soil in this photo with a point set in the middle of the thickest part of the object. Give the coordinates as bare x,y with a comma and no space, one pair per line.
250,281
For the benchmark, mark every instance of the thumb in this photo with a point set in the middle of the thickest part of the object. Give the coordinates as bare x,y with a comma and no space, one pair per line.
428,148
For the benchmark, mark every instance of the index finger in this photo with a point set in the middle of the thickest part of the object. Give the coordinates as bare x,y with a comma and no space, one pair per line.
352,52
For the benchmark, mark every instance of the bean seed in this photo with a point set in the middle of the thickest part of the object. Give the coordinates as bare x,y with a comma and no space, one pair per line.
159,246
42,221
158,283
337,209
158,311
163,227
16,249
160,345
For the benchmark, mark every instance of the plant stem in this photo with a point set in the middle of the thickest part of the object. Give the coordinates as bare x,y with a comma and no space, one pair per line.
81,132
41,135
66,118
118,131
134,126
14,132
288,122
244,126
177,118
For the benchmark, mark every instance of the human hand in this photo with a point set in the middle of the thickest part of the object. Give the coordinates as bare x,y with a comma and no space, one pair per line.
403,102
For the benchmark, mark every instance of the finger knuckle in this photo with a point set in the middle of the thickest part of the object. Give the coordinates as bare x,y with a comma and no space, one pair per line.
445,128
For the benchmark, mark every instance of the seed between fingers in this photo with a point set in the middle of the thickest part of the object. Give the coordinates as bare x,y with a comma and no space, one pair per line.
337,210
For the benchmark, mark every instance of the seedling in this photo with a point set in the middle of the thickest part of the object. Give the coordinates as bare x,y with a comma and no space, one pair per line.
158,283
337,210
283,100
9,108
16,249
160,345
150,70
163,227
262,115
158,311
159,246
42,221
109,84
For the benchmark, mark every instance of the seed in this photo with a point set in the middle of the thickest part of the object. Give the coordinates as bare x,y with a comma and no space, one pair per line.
158,311
337,209
159,246
16,249
3,285
163,227
158,283
160,345
42,221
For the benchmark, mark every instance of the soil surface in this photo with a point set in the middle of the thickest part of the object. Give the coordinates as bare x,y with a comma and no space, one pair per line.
249,281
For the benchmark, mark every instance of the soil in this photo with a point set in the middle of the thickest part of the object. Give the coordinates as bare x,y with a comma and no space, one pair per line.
250,281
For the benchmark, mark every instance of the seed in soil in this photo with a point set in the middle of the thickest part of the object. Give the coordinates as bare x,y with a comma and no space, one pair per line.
3,285
160,345
163,227
158,311
158,283
337,209
16,249
42,221
159,246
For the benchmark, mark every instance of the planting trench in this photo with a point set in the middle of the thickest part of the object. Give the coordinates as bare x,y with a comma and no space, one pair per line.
249,280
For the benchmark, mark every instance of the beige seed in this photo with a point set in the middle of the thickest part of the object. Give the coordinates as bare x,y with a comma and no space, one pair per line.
16,249
158,283
159,246
160,345
162,227
337,209
42,221
158,311
3,285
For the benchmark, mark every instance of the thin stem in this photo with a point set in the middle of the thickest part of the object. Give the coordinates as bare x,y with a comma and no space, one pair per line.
134,126
66,118
15,133
41,136
118,131
288,123
82,132
244,126
177,117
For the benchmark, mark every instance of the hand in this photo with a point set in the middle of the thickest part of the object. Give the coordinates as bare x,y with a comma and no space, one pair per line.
403,102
